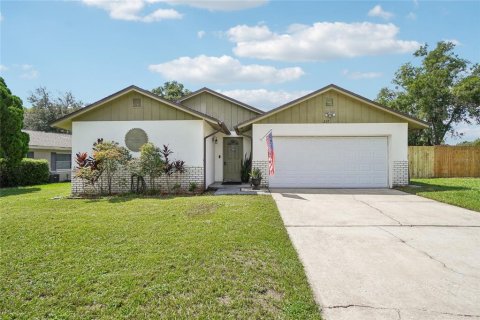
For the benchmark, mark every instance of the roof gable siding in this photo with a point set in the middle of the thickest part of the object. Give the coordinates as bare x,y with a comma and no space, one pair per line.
121,109
346,109
223,110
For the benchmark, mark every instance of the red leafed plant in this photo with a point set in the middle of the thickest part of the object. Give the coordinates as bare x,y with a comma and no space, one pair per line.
87,168
81,159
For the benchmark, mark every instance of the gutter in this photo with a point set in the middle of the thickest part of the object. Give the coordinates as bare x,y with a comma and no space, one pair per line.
205,158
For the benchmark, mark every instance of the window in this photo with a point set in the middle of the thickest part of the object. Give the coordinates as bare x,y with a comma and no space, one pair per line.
63,161
30,154
137,102
329,102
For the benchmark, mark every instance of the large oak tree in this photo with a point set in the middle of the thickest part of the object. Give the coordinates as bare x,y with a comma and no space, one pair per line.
45,109
443,90
171,90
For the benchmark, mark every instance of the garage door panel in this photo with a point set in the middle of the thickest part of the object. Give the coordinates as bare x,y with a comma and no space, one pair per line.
326,162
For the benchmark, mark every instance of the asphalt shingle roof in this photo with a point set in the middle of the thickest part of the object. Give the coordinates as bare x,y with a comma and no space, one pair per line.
49,139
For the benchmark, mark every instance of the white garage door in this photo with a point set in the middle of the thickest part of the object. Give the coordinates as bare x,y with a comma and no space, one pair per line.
330,162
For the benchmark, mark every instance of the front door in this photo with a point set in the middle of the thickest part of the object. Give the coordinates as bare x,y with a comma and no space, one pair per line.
232,159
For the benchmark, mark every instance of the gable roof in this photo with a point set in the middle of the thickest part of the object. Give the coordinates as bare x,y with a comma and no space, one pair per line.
133,88
48,140
221,96
419,123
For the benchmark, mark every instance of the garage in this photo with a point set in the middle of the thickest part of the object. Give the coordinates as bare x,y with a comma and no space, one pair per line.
330,162
332,138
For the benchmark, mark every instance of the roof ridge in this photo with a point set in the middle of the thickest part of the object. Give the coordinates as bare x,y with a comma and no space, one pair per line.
148,94
221,95
330,86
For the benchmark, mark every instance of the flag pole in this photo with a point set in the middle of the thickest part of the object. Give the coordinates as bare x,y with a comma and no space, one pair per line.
266,134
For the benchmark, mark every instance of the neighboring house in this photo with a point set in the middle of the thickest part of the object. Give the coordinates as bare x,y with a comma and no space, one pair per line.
329,138
56,148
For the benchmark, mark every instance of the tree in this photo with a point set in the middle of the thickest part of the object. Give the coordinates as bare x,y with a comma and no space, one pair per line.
13,142
171,90
475,143
151,163
110,156
443,90
45,109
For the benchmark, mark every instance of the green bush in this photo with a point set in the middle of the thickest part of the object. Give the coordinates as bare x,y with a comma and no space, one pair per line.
27,172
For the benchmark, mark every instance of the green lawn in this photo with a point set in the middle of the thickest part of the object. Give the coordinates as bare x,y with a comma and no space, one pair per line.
462,192
185,257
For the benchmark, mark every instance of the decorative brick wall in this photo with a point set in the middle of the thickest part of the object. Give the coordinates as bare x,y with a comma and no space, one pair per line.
263,166
400,173
121,182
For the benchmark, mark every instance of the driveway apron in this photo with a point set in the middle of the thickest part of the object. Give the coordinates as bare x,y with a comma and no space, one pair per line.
385,254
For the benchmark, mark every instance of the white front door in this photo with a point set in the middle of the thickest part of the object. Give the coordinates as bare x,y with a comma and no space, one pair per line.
330,162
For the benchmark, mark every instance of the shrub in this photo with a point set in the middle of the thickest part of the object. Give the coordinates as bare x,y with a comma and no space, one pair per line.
170,167
26,172
256,173
110,156
151,163
176,188
192,187
88,169
246,168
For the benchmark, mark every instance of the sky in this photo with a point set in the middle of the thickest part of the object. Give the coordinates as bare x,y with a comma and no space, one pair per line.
264,53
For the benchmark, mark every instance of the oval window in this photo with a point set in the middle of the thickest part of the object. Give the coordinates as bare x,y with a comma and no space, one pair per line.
135,139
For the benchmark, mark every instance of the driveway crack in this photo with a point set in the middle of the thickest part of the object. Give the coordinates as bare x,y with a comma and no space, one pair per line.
443,264
378,210
346,306
364,306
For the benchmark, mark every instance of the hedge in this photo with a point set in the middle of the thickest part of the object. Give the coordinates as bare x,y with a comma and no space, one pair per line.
27,172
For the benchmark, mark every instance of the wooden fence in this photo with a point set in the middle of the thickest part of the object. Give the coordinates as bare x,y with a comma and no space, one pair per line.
443,162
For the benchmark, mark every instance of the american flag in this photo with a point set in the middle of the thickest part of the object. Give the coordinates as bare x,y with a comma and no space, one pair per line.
271,155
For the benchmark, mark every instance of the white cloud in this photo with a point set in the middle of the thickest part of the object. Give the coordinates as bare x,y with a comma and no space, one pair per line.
3,68
262,98
244,33
28,72
131,10
319,42
161,14
454,41
224,69
217,5
377,11
201,34
356,75
411,16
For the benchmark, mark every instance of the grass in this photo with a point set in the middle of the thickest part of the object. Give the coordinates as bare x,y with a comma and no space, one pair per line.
226,257
462,192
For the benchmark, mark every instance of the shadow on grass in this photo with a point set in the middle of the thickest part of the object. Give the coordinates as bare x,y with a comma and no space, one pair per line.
6,192
417,187
120,198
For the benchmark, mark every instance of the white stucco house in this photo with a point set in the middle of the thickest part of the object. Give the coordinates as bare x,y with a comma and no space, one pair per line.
328,138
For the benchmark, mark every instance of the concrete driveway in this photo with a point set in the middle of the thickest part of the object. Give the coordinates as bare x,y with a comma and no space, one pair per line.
385,254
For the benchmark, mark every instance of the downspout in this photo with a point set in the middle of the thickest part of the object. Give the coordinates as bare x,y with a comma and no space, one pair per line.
205,158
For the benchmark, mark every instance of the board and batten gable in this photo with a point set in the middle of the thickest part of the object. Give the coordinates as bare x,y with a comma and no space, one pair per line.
345,108
228,112
122,109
